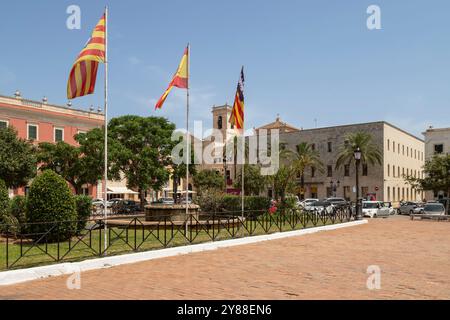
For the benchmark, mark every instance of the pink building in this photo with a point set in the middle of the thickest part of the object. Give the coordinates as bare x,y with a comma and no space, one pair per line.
42,122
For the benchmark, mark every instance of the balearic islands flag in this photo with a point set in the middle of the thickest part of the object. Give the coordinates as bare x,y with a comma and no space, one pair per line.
84,71
237,114
180,79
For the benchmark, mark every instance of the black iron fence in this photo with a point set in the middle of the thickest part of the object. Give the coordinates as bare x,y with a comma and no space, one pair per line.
34,244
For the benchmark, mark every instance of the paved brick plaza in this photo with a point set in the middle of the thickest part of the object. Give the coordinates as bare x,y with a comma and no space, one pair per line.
414,257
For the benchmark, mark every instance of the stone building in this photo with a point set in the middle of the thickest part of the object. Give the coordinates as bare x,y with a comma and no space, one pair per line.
437,141
40,121
227,168
402,152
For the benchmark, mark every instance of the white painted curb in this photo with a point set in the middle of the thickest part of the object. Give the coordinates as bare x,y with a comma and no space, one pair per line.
23,275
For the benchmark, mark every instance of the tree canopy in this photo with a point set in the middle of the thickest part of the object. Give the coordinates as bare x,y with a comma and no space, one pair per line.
437,175
17,159
143,152
79,165
209,180
370,152
254,182
304,156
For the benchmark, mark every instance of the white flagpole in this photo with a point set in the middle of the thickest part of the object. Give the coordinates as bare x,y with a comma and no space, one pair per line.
243,171
188,153
105,191
243,153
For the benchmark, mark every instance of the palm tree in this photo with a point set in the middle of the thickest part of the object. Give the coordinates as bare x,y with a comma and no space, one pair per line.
360,143
303,157
370,152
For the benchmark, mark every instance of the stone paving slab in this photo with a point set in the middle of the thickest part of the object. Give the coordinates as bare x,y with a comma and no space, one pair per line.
414,258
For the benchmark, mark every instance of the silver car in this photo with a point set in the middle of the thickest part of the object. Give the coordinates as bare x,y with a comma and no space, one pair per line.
407,207
436,209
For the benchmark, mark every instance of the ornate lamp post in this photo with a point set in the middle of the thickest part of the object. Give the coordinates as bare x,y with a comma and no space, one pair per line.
357,155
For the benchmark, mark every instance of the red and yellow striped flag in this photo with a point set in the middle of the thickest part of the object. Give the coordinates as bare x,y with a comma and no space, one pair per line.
237,114
84,71
179,80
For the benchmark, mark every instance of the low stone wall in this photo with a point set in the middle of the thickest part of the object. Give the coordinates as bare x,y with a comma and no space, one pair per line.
172,212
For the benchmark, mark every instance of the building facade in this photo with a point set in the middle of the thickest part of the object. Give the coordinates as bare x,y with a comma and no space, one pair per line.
39,121
221,164
437,142
402,154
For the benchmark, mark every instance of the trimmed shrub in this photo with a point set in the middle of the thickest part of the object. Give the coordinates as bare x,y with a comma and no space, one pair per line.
251,203
51,207
4,198
287,206
210,201
257,203
7,222
84,208
18,208
232,203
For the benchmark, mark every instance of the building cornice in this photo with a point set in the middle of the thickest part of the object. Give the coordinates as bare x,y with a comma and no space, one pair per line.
32,105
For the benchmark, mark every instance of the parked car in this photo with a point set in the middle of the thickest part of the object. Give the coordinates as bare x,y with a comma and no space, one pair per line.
437,209
305,204
337,202
99,203
321,206
166,201
444,203
183,201
126,206
419,208
391,208
407,207
374,209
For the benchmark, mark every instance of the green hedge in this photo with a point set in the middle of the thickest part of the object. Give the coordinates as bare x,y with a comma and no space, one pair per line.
251,203
50,200
84,208
18,208
231,203
4,198
7,222
17,214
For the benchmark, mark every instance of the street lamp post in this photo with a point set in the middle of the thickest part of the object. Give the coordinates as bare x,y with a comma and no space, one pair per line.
357,155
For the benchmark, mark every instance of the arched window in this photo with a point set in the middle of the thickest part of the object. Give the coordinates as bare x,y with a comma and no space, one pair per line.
219,122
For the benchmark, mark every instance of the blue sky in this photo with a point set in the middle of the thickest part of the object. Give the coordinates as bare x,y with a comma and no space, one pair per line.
304,60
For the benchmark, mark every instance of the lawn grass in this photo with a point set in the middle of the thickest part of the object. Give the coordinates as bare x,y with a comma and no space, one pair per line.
126,240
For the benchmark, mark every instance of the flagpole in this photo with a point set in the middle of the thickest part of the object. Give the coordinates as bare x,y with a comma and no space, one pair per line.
243,155
105,191
188,153
243,171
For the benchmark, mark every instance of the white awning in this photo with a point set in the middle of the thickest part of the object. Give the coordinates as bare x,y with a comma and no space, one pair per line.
120,190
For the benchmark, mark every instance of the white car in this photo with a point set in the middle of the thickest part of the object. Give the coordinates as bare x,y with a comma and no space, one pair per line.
306,204
374,209
320,207
99,203
391,208
167,200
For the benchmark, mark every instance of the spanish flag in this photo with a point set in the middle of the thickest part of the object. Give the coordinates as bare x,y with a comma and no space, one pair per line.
237,113
84,71
179,80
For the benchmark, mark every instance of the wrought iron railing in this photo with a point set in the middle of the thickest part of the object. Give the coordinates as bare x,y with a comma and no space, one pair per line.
34,244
